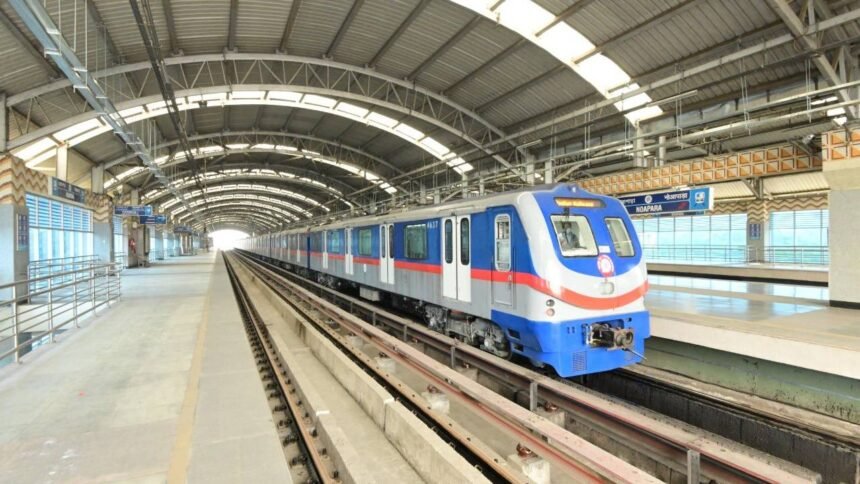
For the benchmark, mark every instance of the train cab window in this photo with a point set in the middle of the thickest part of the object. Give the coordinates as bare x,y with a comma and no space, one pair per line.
503,243
465,248
415,241
365,245
449,241
575,238
620,237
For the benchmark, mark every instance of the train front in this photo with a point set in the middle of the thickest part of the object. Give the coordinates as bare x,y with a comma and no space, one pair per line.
590,280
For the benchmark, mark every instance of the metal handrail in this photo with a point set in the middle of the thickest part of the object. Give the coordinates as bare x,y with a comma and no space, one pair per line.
738,254
46,267
63,298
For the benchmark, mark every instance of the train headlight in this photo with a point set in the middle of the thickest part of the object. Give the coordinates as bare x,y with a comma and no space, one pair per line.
607,288
550,303
550,312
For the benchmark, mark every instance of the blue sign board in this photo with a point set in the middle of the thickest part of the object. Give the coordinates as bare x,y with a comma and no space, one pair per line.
133,210
678,201
66,190
153,219
182,229
754,231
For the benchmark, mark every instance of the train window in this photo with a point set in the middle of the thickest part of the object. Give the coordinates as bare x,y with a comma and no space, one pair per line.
464,242
449,242
415,241
391,241
575,238
335,242
620,237
365,236
503,243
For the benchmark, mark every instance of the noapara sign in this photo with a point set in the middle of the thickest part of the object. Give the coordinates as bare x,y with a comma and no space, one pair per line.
678,201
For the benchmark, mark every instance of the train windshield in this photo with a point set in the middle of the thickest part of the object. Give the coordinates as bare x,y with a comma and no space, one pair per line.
574,236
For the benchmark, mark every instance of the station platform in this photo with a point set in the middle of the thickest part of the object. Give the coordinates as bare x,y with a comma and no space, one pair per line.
786,273
783,323
160,387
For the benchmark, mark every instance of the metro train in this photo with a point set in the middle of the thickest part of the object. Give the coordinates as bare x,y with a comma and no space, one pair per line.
552,273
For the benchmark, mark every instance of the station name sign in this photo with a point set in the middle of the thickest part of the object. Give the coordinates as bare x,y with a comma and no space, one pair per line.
133,210
182,229
153,219
66,190
693,200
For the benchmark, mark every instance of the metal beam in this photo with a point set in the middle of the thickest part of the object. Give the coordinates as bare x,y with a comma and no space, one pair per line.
685,73
565,14
523,87
271,180
305,137
444,47
399,32
27,47
213,192
800,30
171,26
486,65
288,28
344,27
637,29
231,25
43,28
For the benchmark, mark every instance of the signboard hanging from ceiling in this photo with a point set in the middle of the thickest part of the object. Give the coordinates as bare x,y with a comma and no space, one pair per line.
693,200
182,229
67,191
153,219
133,210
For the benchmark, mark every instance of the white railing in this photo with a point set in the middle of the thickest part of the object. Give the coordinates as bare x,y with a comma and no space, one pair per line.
29,319
805,256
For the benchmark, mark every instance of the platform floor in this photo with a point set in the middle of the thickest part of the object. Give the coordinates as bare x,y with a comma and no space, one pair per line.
161,387
785,323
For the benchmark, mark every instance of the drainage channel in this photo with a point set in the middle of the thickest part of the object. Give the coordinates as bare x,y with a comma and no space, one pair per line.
305,452
666,448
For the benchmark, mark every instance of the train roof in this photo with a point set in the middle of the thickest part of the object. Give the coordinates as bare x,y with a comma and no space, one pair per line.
454,207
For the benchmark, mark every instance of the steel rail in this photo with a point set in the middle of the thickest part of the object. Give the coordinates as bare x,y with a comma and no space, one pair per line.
471,448
670,443
313,457
570,452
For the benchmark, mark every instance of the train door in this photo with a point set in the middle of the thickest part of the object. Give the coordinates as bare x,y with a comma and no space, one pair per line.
325,249
457,258
503,270
347,258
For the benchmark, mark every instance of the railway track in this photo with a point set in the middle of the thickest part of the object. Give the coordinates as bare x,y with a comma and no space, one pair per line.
578,458
668,450
309,462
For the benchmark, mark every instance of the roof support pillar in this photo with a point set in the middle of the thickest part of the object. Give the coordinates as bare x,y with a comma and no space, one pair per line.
63,162
4,124
639,149
530,169
661,151
547,171
97,179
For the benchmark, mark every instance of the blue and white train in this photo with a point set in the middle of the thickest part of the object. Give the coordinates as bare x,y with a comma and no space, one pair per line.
553,273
